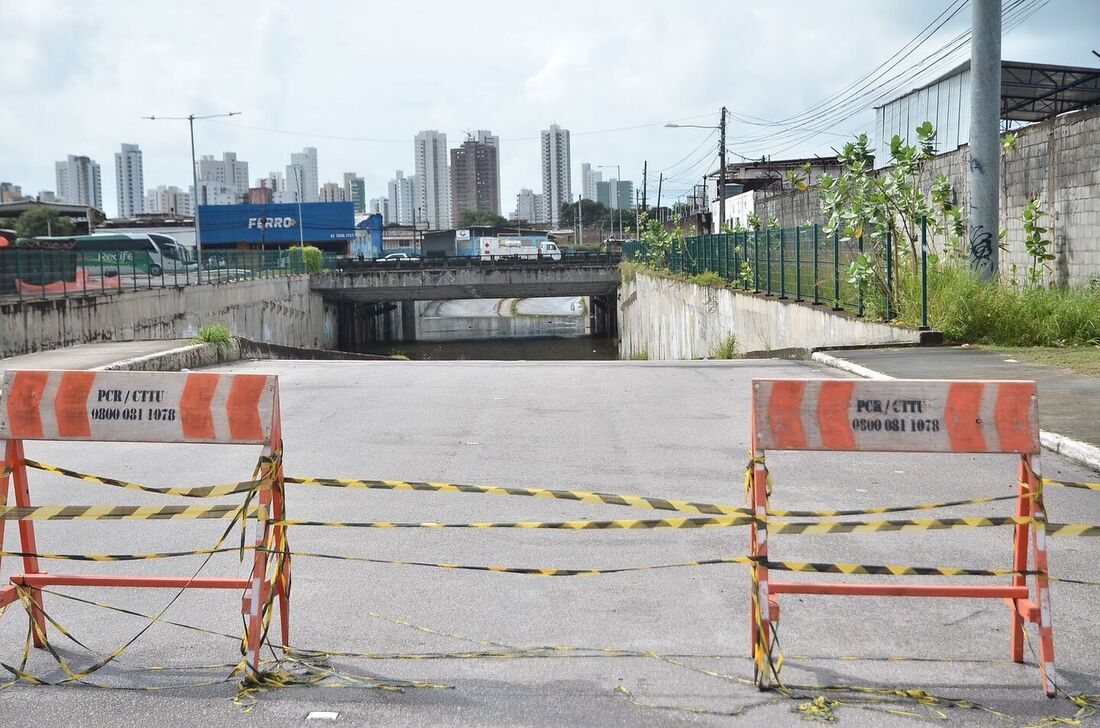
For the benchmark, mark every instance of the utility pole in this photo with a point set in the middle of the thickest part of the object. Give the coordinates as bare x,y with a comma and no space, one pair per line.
645,169
580,218
660,181
722,172
190,119
637,216
985,147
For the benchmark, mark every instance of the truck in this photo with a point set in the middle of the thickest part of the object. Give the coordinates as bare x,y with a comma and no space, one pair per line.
493,248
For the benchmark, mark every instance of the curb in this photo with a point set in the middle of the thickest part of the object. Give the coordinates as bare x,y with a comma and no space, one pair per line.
1079,452
196,356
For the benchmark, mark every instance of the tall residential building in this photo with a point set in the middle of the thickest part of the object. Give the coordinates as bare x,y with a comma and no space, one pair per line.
433,205
475,185
380,206
589,179
129,181
616,194
301,176
78,182
355,191
168,200
487,137
222,181
400,200
530,207
556,183
331,192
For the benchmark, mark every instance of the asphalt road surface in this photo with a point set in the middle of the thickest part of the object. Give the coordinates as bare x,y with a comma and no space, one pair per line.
676,430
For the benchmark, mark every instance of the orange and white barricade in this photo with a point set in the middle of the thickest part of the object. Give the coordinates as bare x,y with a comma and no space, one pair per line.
228,409
920,416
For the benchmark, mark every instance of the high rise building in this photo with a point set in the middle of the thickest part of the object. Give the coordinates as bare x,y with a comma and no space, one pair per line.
301,176
433,203
475,185
530,207
589,179
129,181
380,206
399,203
78,182
556,183
168,200
487,137
332,192
355,191
14,193
222,181
616,194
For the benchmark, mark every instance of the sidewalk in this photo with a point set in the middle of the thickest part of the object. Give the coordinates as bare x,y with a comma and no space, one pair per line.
1069,403
89,356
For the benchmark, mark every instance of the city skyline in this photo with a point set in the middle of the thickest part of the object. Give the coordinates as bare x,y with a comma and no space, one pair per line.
611,123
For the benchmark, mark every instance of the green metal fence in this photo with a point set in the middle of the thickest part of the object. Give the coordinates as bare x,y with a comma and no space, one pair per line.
28,273
804,263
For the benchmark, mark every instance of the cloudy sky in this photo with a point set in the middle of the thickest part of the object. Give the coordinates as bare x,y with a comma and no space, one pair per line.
358,79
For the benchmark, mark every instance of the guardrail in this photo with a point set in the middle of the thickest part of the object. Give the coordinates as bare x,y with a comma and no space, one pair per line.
475,261
41,274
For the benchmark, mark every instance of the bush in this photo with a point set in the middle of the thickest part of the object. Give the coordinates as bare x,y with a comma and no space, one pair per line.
217,334
305,259
727,349
968,309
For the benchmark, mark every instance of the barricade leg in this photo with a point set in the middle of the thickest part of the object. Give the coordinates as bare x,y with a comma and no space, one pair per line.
761,610
1042,585
8,593
15,459
256,591
1019,558
282,585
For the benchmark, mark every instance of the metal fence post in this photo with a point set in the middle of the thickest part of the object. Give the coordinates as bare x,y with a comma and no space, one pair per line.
798,262
19,271
816,301
924,273
755,261
42,271
836,271
889,274
782,263
859,287
768,258
83,272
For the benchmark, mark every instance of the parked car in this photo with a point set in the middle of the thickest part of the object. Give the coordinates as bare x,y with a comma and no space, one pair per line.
398,257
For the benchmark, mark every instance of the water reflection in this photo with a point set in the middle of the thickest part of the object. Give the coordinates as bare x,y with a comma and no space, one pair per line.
505,329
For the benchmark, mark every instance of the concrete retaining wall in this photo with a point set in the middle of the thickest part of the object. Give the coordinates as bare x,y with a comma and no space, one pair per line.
276,310
666,319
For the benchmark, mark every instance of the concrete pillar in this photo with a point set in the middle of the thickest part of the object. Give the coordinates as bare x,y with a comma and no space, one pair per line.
408,320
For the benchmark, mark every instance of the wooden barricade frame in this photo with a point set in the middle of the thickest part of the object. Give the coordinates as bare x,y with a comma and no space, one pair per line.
151,407
928,416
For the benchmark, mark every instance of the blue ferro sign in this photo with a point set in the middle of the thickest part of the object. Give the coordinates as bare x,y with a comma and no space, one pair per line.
311,222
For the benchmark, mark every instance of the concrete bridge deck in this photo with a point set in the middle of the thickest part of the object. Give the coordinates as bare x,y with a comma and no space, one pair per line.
434,279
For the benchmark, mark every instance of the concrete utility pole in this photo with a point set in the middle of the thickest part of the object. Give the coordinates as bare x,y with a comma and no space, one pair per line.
722,171
985,139
190,119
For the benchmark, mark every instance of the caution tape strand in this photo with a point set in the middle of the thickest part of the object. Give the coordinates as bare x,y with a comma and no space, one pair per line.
202,491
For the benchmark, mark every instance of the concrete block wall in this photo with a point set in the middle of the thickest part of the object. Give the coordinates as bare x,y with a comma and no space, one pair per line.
275,310
666,319
1057,160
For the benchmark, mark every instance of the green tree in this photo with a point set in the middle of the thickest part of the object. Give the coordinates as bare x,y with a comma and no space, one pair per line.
481,218
42,221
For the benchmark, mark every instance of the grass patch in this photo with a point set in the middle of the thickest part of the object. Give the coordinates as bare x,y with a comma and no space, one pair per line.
217,334
628,271
1081,359
726,350
969,310
640,356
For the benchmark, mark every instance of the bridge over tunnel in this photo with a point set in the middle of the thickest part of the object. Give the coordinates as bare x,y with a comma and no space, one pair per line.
378,300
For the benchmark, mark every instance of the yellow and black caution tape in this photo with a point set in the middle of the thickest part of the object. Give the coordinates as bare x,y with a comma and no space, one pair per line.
887,509
1069,484
122,557
580,496
799,566
929,524
202,491
640,524
124,513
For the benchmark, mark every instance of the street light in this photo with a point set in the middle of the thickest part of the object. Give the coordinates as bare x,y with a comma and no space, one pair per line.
721,162
190,119
618,179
